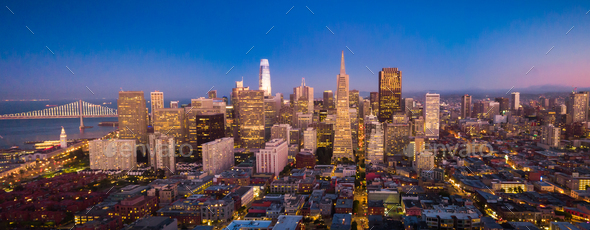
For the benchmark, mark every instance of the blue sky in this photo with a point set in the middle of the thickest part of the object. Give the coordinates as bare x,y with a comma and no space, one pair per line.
184,48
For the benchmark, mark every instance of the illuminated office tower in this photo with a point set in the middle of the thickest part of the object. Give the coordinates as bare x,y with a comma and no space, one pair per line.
432,115
408,106
374,98
366,108
273,158
306,93
250,114
162,149
504,104
264,78
303,120
551,135
116,154
281,131
353,98
132,113
493,109
419,127
354,127
295,137
200,106
212,94
328,99
170,122
325,134
397,136
157,102
234,101
218,155
209,127
373,140
480,109
465,106
390,93
310,139
343,134
271,112
515,103
577,107
174,104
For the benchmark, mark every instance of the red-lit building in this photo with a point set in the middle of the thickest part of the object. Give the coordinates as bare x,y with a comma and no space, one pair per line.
137,207
305,160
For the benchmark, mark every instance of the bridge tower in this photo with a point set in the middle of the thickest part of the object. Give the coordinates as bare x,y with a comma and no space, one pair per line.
80,111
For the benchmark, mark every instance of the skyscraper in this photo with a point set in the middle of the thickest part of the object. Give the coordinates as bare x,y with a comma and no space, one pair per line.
310,139
132,116
374,98
390,93
162,148
264,77
465,106
432,115
208,127
218,155
170,122
112,154
504,104
343,134
212,94
157,102
577,107
515,103
353,98
251,118
328,99
373,140
305,93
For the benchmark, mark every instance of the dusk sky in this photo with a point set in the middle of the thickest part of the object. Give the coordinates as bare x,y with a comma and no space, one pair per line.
185,48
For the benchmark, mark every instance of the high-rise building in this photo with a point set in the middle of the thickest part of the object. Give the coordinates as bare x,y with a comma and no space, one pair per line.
390,93
295,137
112,154
553,103
248,116
157,102
325,134
208,127
170,122
273,158
424,161
328,100
374,98
465,106
432,115
373,140
271,114
515,103
132,113
162,149
493,109
397,136
304,93
212,94
264,78
218,155
236,119
544,102
419,130
174,104
354,127
343,134
551,135
408,106
353,99
63,139
303,120
201,106
280,131
504,104
577,107
310,139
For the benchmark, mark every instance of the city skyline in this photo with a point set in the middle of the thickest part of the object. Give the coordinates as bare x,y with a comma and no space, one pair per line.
35,61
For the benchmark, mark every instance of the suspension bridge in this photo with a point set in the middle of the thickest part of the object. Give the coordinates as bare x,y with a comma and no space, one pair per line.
79,109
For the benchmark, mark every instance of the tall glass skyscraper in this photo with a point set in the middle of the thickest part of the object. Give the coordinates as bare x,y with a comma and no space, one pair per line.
390,93
343,133
432,115
264,77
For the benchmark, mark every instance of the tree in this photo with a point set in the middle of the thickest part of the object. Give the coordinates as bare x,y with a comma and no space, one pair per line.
510,190
503,190
355,206
21,172
353,226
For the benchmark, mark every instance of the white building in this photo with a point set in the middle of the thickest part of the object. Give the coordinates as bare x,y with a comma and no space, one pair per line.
374,140
63,139
112,154
515,103
162,150
273,158
424,161
432,115
218,155
551,135
310,140
264,77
